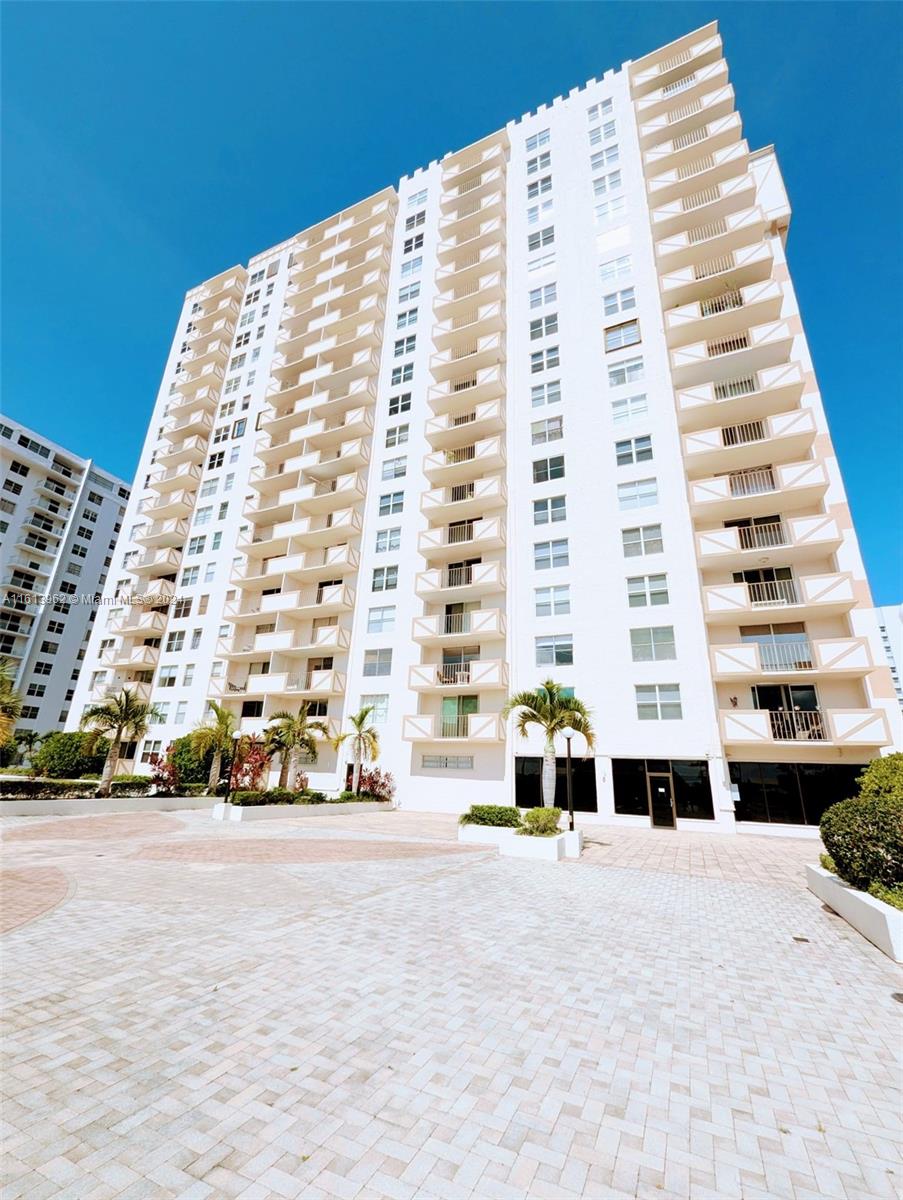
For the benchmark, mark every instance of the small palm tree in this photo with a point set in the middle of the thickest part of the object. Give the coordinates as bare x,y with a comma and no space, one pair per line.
122,715
364,743
10,702
214,735
28,742
552,711
291,734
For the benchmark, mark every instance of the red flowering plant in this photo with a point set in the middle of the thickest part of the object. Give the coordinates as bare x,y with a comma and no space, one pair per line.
250,765
164,773
377,783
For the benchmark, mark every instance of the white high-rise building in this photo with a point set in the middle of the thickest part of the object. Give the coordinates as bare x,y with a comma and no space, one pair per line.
60,516
546,409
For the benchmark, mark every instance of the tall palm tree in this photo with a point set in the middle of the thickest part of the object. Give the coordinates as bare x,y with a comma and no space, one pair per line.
291,734
364,743
28,741
552,711
214,735
121,715
10,702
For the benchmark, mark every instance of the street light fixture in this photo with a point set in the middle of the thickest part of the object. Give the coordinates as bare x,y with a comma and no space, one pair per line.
568,733
236,737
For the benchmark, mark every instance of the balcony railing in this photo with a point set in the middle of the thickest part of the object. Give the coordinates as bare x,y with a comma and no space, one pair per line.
744,433
453,727
720,304
452,675
786,656
763,537
727,345
797,725
774,593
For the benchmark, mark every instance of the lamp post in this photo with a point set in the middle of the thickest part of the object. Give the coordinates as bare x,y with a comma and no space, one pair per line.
236,737
568,733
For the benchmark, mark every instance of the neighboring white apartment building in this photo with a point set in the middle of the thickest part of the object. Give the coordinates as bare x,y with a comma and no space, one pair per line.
890,630
545,409
60,516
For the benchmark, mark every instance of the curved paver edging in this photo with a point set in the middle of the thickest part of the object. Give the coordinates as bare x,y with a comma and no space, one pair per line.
31,892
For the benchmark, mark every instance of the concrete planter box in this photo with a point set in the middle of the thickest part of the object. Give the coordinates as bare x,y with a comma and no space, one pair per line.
282,812
59,807
881,923
573,843
485,835
541,849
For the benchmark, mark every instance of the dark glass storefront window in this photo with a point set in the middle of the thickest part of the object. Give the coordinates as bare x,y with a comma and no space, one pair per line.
628,776
689,779
528,783
692,791
791,793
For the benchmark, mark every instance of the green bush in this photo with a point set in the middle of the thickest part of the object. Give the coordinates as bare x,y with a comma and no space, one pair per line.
190,768
883,777
90,775
192,789
68,755
314,798
491,814
278,795
46,789
136,785
541,822
890,895
864,837
827,863
246,799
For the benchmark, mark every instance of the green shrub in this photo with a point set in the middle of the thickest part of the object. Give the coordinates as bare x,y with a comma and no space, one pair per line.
278,795
864,837
136,785
246,799
192,789
491,814
883,777
190,768
69,755
827,863
46,789
541,822
890,895
90,775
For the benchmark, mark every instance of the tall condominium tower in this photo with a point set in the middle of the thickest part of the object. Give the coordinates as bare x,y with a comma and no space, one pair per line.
546,410
60,516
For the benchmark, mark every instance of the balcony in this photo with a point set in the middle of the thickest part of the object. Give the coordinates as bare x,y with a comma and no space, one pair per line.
155,562
170,505
468,537
206,322
832,657
474,727
473,187
684,59
171,480
328,530
324,602
704,138
821,595
211,375
758,491
702,170
456,298
189,450
312,685
468,355
463,500
703,205
740,398
471,211
464,462
163,533
723,313
680,112
352,455
735,354
199,422
470,239
788,435
797,540
482,420
135,623
131,658
729,272
328,639
818,729
460,584
464,164
303,567
461,395
486,675
478,626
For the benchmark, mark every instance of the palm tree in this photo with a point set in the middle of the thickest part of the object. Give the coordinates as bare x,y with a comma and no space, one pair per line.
214,735
121,715
364,743
28,742
291,734
553,711
10,702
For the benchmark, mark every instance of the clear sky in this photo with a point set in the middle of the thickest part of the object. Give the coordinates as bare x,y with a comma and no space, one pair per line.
147,146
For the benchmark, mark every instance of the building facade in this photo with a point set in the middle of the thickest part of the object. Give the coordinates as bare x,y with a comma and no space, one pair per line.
546,409
60,517
890,630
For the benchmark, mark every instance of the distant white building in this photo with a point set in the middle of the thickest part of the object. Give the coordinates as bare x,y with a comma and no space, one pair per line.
60,516
890,629
545,409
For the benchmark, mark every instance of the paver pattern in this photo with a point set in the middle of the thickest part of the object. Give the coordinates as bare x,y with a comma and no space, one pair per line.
641,1023
29,893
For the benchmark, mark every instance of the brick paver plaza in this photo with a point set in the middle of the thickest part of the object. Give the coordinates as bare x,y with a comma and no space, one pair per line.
358,1007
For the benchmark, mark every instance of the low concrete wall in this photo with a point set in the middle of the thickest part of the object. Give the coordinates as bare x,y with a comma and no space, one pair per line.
282,812
58,807
881,923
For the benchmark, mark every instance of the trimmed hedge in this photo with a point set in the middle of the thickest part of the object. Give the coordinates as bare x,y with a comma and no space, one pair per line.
46,789
491,814
67,755
864,837
541,822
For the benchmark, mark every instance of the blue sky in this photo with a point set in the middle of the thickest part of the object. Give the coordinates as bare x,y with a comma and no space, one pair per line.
149,146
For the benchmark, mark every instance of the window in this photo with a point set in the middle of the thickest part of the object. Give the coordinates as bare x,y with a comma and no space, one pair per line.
542,261
542,238
409,292
413,243
29,712
385,579
395,468
175,641
647,590
216,460
549,430
403,374
399,404
149,750
379,704
167,677
181,710
390,503
204,515
544,360
539,187
550,554
619,336
406,318
188,676
557,650
388,539
412,267
381,620
553,601
629,370
652,643
628,409
639,493
602,133
545,393
597,111
162,715
658,702
543,326
208,487
239,427
550,510
607,157
405,345
537,212
377,662
545,469
396,436
633,450
446,762
547,294
605,184
181,608
196,545
608,210
417,198
414,221
537,140
616,302
542,162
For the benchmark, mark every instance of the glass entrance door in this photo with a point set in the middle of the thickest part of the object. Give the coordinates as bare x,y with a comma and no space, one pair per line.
661,801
